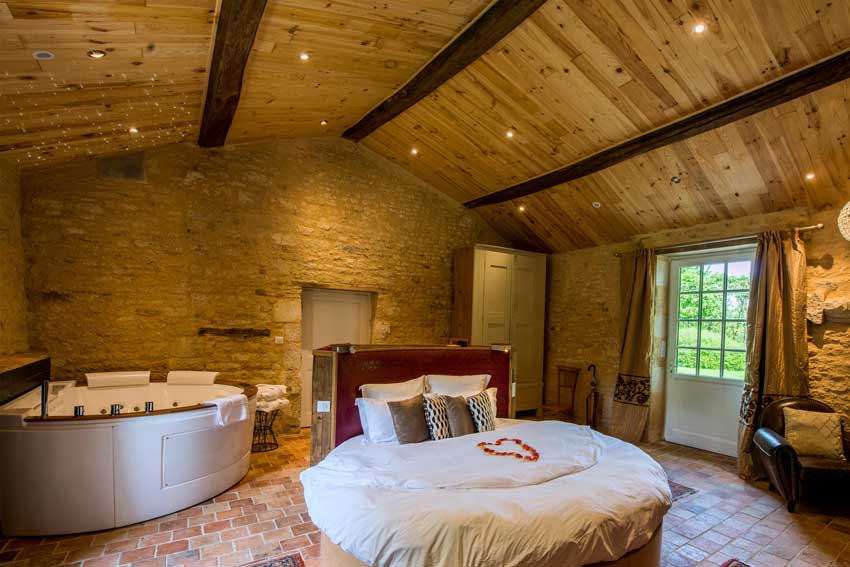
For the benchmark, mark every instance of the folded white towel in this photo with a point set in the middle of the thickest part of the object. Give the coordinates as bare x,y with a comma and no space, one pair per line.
191,377
273,405
110,379
231,409
270,392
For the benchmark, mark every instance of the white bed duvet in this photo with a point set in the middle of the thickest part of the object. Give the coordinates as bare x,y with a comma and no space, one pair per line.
588,498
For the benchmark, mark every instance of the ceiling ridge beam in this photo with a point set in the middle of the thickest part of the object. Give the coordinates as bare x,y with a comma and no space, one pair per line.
784,89
236,27
480,36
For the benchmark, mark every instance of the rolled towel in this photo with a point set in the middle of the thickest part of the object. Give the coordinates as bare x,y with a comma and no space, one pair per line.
230,409
191,377
269,407
111,379
270,392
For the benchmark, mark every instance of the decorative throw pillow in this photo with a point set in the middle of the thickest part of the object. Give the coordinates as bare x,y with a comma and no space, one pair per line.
437,416
409,420
376,420
814,433
481,407
447,385
460,420
395,391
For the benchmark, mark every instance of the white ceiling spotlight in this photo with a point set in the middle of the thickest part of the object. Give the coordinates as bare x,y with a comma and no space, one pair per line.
509,134
597,205
304,56
96,53
42,55
700,27
414,151
810,176
521,208
133,130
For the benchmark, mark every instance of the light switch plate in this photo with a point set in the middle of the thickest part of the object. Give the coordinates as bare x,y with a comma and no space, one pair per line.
278,340
323,406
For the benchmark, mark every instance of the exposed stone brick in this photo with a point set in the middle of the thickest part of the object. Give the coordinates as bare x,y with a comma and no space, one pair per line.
124,274
13,301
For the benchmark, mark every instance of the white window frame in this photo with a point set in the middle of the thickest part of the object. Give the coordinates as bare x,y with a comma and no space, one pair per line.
678,261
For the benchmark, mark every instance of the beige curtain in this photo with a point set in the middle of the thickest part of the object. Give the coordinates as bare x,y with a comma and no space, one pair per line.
630,413
777,359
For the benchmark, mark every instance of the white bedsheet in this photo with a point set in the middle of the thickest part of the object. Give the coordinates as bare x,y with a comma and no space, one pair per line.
589,498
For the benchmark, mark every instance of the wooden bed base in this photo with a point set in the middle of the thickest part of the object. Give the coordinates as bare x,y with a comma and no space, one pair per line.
647,556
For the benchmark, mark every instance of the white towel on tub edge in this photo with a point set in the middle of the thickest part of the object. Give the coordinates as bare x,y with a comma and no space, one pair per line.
231,409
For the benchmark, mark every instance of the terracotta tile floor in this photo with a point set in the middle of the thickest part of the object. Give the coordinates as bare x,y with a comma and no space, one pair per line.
264,515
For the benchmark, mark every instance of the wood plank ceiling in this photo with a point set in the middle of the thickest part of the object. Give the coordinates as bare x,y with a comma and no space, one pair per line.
151,79
582,75
576,77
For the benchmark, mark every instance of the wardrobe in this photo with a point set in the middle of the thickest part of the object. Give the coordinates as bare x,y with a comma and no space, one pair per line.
500,298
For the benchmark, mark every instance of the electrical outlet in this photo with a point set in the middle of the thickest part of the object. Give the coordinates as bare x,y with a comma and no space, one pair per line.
323,406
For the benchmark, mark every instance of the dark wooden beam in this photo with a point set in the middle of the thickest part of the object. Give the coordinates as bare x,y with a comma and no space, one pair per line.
235,30
794,85
485,32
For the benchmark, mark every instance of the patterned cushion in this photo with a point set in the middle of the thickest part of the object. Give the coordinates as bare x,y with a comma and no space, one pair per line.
437,416
481,408
814,433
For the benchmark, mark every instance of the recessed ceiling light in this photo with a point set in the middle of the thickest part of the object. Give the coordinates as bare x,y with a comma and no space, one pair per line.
43,55
810,175
597,204
414,151
675,179
700,27
324,122
521,208
96,53
304,56
509,134
133,130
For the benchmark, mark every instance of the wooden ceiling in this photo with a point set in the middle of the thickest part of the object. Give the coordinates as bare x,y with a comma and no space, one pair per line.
576,77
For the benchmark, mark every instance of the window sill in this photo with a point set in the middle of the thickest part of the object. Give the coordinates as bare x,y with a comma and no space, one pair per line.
730,382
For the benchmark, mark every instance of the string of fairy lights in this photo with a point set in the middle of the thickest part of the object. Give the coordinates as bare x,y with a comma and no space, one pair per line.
108,112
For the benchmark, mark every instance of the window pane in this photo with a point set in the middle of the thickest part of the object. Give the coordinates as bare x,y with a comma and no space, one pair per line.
739,275
711,335
712,277
734,364
689,278
686,361
687,333
689,306
736,335
712,305
736,304
709,363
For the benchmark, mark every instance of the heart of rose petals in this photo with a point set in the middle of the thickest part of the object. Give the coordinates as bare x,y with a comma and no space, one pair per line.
487,447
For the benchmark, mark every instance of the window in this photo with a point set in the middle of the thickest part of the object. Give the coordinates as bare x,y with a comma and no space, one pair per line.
710,296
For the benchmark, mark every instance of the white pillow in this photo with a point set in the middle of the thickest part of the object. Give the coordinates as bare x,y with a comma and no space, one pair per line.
394,392
377,421
465,386
491,393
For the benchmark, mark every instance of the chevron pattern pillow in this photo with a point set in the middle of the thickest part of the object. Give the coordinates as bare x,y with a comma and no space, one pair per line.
437,416
481,408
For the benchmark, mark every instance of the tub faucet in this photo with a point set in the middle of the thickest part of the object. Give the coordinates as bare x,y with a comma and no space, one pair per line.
45,391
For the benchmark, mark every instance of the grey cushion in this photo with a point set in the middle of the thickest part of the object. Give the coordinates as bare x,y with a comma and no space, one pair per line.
409,420
460,420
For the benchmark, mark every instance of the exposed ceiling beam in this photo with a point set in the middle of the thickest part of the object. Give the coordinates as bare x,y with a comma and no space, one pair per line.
794,85
485,32
233,39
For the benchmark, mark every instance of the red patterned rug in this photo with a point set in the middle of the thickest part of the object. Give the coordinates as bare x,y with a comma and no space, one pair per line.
734,563
282,561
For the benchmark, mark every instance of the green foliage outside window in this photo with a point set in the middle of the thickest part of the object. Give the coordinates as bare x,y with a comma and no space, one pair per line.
712,333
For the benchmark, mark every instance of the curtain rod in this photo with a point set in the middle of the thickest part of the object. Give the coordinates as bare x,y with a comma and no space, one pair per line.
706,244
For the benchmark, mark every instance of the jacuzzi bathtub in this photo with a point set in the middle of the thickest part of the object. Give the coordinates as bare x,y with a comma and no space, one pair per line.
64,474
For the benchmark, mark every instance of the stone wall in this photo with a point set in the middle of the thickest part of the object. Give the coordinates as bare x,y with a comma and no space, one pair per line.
124,274
583,307
13,301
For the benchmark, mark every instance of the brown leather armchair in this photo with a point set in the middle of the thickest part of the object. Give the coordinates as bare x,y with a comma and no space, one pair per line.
786,471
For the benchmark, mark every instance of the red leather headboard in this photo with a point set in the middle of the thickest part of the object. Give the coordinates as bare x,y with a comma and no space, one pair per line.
374,366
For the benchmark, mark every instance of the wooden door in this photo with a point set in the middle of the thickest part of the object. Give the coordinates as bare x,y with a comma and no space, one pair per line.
496,297
527,321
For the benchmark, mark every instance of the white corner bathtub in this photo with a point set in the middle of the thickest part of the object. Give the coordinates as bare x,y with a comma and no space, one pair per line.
64,474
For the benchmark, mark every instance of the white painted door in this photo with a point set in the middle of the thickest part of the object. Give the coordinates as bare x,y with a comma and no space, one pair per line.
706,353
328,317
527,314
498,278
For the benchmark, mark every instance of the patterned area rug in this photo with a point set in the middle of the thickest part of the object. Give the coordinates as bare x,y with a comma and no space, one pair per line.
734,563
282,561
680,491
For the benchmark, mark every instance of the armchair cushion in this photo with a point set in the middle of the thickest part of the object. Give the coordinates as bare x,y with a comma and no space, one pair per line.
813,433
821,464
